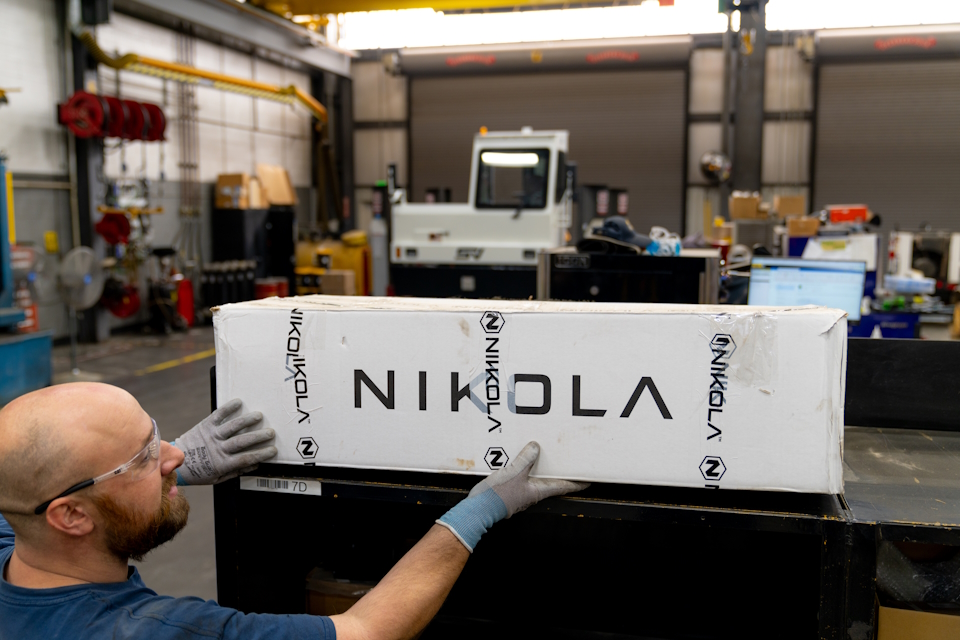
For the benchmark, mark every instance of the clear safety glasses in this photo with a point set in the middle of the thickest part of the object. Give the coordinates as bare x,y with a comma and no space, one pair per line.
140,466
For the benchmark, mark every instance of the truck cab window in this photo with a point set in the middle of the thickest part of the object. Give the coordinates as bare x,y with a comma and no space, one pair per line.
513,178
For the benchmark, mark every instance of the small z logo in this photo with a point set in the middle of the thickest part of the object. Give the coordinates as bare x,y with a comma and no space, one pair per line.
307,448
712,468
492,321
496,458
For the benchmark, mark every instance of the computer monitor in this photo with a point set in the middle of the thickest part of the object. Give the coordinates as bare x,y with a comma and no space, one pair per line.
794,281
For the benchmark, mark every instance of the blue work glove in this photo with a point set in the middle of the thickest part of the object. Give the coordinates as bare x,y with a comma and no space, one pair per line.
502,494
215,450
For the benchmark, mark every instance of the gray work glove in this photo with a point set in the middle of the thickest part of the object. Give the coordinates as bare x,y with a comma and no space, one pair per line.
502,494
214,452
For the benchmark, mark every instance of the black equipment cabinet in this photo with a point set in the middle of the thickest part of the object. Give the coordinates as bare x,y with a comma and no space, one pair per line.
624,277
265,235
452,281
619,561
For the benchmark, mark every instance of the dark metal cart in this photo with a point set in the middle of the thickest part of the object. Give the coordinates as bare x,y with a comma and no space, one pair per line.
619,561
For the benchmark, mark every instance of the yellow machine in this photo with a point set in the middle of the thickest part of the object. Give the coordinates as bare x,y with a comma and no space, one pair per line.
317,260
309,280
352,253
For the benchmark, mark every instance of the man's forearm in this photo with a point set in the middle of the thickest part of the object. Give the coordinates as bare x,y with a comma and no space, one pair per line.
408,597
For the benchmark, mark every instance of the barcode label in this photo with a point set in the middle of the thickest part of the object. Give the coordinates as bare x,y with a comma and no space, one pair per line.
277,485
267,483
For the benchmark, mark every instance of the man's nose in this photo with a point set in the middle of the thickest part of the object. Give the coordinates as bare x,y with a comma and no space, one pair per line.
170,458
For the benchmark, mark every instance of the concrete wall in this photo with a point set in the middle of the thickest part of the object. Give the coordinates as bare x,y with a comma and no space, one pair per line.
30,44
236,132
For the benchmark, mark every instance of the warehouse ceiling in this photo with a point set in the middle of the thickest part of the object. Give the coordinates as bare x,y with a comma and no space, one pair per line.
307,7
311,13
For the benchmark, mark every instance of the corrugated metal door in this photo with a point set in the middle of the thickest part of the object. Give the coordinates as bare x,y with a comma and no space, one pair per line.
626,130
888,135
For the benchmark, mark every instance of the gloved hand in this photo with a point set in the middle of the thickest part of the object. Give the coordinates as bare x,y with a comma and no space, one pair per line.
502,494
213,452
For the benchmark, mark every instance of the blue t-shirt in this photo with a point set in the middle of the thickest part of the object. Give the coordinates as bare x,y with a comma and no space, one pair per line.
121,610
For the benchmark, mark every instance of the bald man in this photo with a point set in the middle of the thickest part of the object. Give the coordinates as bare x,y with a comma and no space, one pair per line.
86,484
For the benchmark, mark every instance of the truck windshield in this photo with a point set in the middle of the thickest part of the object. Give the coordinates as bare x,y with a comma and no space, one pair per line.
513,178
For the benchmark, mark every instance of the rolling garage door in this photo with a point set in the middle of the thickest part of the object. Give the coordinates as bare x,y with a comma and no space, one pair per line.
888,135
626,130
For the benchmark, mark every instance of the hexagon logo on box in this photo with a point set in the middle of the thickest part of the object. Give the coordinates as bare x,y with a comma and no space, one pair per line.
492,321
307,448
723,345
712,468
496,458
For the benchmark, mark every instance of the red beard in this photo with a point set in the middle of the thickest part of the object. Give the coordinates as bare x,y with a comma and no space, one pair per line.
131,535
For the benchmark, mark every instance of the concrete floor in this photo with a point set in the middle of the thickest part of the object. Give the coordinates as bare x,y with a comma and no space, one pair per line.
177,395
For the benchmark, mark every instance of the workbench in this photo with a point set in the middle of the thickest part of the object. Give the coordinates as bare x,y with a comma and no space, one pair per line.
26,363
623,561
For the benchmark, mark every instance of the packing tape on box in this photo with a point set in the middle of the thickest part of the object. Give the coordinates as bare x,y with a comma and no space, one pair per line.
754,337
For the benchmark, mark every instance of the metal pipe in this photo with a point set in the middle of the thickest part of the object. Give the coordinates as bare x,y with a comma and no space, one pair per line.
74,369
242,127
70,15
725,110
41,184
192,75
728,76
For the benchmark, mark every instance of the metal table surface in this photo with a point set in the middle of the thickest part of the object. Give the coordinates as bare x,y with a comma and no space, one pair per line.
891,477
906,481
900,484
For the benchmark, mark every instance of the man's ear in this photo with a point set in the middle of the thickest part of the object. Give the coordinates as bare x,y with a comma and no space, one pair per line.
70,516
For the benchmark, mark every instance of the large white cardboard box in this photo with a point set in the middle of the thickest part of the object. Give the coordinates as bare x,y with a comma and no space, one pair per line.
693,396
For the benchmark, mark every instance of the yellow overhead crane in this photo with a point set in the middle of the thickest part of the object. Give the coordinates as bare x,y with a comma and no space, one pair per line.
312,14
192,75
289,8
326,175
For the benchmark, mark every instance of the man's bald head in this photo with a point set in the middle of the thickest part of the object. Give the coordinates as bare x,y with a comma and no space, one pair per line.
55,437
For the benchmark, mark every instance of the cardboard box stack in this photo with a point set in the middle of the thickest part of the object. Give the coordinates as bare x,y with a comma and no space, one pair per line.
908,624
319,280
745,205
694,396
802,226
239,191
339,282
276,185
786,206
271,186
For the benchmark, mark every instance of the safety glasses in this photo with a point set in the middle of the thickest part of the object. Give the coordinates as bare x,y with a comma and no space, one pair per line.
140,466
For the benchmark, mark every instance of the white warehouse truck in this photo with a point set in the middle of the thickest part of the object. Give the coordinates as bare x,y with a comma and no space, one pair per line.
520,203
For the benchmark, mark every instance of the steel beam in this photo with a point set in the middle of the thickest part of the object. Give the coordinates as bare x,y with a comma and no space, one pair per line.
748,133
89,162
344,147
344,6
265,32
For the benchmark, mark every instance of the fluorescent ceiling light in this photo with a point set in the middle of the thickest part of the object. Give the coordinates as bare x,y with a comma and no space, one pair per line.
509,159
834,14
428,28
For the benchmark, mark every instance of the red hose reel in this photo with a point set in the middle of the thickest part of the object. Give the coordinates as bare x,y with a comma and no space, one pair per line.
91,116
